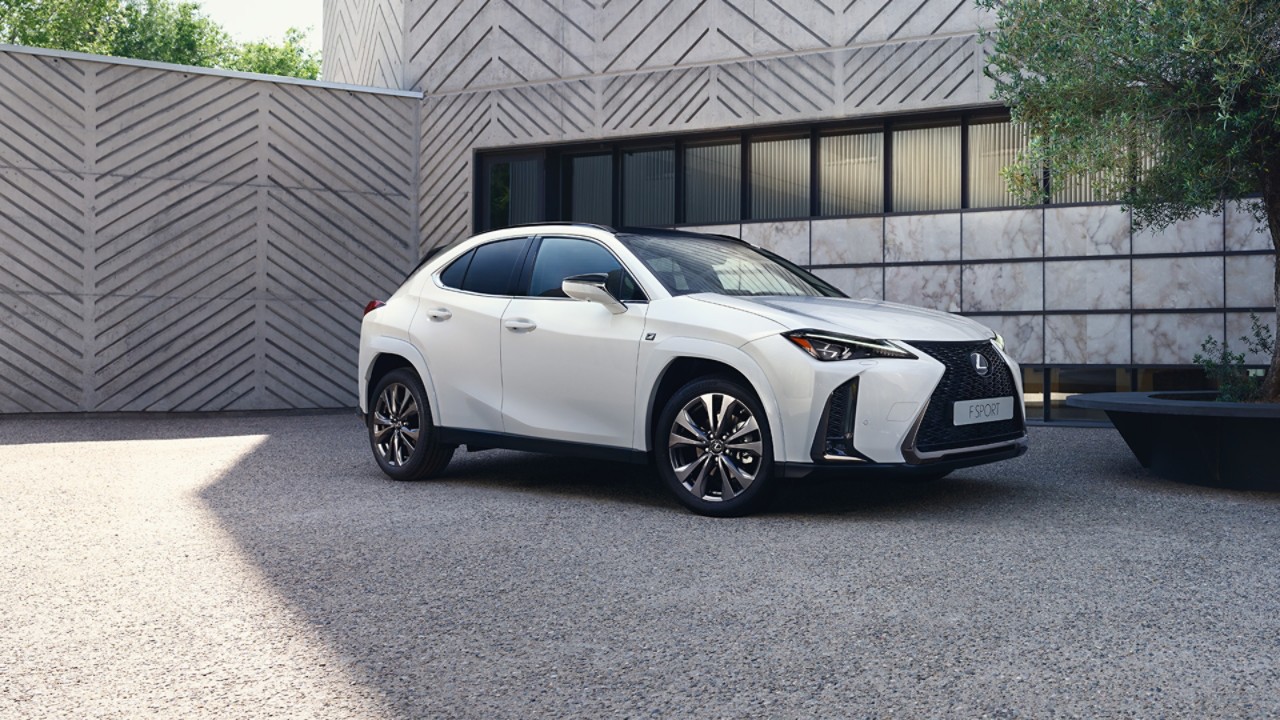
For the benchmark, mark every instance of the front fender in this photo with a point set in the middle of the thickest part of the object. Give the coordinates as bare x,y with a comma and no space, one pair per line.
656,359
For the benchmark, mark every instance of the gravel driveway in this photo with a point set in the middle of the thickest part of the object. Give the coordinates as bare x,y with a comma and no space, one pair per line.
245,567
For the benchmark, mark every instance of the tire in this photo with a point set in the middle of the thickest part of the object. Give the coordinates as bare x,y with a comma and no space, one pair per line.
713,448
401,433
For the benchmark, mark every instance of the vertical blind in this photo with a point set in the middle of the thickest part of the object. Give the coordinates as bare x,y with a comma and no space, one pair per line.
852,174
591,189
712,186
526,198
649,187
926,169
992,147
780,178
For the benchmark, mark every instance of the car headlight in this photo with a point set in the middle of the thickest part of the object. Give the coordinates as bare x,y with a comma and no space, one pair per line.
998,340
828,347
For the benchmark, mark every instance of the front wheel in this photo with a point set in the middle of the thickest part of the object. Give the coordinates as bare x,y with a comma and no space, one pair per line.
713,448
400,429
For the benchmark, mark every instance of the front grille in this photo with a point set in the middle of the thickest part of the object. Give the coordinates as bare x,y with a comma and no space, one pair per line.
962,382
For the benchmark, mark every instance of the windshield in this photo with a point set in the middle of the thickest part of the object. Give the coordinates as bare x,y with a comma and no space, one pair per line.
688,264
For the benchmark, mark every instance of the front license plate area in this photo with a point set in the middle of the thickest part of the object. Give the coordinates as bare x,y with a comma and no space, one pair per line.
972,412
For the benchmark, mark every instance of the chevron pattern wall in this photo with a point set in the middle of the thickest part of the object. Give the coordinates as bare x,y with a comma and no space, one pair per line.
500,73
183,241
364,42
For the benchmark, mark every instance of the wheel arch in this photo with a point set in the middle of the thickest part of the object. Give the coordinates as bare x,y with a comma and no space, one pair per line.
684,367
388,354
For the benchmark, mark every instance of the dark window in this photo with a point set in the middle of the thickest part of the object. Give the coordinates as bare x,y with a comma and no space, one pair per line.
780,178
454,274
700,263
559,258
493,267
512,190
852,173
649,187
591,188
713,183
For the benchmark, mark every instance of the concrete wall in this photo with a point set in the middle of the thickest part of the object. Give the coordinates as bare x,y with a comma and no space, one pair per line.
175,239
503,74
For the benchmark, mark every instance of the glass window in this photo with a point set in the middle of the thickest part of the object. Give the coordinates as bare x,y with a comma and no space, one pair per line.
457,270
560,258
591,189
649,187
1067,382
514,191
1033,392
1161,379
780,178
713,183
992,147
698,263
493,268
851,174
926,169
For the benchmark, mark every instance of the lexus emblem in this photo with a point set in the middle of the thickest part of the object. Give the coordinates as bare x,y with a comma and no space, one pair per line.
980,365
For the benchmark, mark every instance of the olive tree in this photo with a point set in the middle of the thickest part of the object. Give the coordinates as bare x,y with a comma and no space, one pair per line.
1171,107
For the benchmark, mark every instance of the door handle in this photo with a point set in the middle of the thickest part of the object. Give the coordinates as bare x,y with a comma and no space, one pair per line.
519,325
439,314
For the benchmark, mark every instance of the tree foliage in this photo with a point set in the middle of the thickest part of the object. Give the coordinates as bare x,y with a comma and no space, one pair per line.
1171,107
157,30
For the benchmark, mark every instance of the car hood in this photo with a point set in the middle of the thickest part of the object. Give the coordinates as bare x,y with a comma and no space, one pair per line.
863,318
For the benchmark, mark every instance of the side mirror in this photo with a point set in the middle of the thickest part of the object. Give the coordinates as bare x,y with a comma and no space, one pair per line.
591,287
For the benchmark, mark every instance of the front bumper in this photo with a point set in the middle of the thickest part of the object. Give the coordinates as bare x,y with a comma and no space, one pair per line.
955,461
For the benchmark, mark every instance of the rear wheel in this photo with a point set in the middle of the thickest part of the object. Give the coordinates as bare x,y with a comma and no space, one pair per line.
713,448
401,433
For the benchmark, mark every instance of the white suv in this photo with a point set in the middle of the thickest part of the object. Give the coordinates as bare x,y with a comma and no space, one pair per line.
725,365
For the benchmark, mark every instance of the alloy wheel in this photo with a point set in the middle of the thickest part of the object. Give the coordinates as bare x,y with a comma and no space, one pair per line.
396,425
714,447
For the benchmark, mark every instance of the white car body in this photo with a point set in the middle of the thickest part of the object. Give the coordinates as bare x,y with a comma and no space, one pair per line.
566,375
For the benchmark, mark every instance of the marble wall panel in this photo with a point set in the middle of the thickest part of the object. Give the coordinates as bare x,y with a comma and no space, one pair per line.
913,238
847,241
1172,338
856,282
1003,287
1180,282
1251,281
789,239
1240,326
1023,335
1087,285
1087,339
1003,234
1244,231
932,286
1202,233
1086,230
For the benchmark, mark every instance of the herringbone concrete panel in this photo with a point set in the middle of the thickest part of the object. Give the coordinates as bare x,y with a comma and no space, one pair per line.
184,240
364,42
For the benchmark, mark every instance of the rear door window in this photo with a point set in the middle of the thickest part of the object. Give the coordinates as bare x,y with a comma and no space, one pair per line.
493,267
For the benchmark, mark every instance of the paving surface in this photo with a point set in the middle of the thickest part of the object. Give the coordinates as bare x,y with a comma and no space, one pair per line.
262,567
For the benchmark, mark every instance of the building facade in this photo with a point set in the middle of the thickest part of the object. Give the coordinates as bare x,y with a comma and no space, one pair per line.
856,138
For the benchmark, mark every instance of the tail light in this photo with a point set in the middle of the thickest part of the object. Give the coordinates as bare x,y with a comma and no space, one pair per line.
373,305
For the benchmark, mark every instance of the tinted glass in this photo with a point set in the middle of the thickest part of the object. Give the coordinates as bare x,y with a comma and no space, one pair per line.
559,258
457,270
926,169
493,266
649,187
693,264
780,178
591,189
852,174
713,183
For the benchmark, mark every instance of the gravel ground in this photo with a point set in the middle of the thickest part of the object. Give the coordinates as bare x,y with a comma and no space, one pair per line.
243,567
